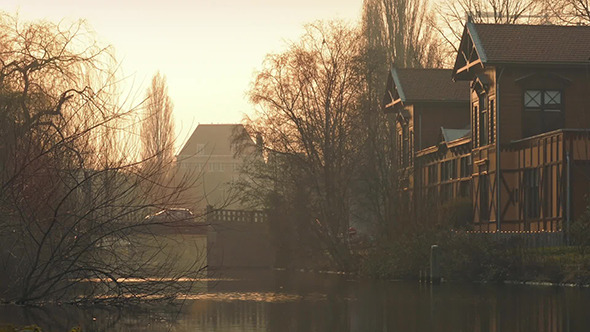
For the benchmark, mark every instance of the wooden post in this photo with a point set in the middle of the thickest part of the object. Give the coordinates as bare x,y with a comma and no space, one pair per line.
435,274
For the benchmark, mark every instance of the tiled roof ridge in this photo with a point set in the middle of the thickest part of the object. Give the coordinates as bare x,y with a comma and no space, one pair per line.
532,25
428,85
419,69
219,124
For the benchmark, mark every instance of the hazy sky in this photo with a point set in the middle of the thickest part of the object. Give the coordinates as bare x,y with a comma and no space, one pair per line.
208,49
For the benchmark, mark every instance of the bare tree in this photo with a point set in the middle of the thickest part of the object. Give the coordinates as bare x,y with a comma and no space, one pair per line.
307,112
157,131
376,184
571,11
72,225
403,28
454,14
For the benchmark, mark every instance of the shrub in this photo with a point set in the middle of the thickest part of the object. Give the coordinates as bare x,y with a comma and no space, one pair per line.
580,230
457,214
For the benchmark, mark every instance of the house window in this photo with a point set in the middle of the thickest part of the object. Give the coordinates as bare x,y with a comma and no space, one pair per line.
466,167
432,174
532,204
465,188
444,174
215,167
484,198
475,126
543,111
548,191
492,121
406,144
483,120
448,170
446,192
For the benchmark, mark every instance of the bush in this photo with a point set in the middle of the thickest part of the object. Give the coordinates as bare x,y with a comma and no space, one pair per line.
457,214
469,257
580,230
403,258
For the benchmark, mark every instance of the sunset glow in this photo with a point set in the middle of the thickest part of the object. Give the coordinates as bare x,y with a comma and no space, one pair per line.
208,50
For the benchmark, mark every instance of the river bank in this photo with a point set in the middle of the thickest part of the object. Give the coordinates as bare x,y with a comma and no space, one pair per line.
466,259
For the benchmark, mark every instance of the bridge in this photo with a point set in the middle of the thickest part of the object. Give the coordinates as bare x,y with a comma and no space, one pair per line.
238,239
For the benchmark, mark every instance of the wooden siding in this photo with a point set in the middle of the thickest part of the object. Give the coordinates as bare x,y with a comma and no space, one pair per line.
533,181
439,182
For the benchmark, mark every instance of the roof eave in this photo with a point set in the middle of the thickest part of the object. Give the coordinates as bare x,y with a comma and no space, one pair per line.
426,151
398,84
459,141
540,63
437,101
469,32
481,53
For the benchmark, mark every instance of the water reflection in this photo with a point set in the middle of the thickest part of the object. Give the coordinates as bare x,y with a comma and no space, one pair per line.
287,301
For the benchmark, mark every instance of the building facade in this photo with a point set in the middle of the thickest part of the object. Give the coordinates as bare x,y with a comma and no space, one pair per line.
528,148
426,106
211,161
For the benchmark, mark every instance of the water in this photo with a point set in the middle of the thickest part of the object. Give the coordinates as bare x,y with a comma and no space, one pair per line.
262,300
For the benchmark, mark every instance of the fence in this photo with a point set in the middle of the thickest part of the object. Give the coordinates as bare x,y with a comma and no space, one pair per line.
528,239
220,216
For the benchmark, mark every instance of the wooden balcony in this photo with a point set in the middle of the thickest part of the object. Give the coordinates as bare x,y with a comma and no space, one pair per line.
536,194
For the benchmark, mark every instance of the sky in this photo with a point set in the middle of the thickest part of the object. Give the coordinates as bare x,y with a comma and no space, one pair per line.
209,50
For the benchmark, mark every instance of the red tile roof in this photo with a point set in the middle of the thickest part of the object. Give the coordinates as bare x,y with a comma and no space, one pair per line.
420,85
532,43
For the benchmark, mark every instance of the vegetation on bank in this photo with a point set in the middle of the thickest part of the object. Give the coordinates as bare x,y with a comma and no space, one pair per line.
29,328
466,258
482,259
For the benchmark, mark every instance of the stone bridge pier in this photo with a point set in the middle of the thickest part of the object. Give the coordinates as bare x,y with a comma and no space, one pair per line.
239,239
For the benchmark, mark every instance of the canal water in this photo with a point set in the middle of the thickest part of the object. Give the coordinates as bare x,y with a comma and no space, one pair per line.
266,300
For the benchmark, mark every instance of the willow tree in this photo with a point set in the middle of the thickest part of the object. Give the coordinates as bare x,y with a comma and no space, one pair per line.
69,176
308,114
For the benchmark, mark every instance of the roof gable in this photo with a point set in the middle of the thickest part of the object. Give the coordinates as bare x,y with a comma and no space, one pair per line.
522,44
213,139
448,135
414,85
394,94
470,54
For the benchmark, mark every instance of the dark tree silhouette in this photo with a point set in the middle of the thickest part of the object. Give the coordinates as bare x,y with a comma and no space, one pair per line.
307,113
72,199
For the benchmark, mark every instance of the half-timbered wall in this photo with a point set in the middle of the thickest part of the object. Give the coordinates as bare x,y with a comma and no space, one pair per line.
534,182
445,174
534,102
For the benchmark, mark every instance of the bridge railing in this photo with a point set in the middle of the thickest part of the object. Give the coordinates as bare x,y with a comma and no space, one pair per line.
241,216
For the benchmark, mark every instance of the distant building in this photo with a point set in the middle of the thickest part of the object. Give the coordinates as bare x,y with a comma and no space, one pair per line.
211,161
527,155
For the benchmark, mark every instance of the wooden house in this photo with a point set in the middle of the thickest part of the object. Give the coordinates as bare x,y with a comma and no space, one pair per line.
421,101
445,169
529,89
